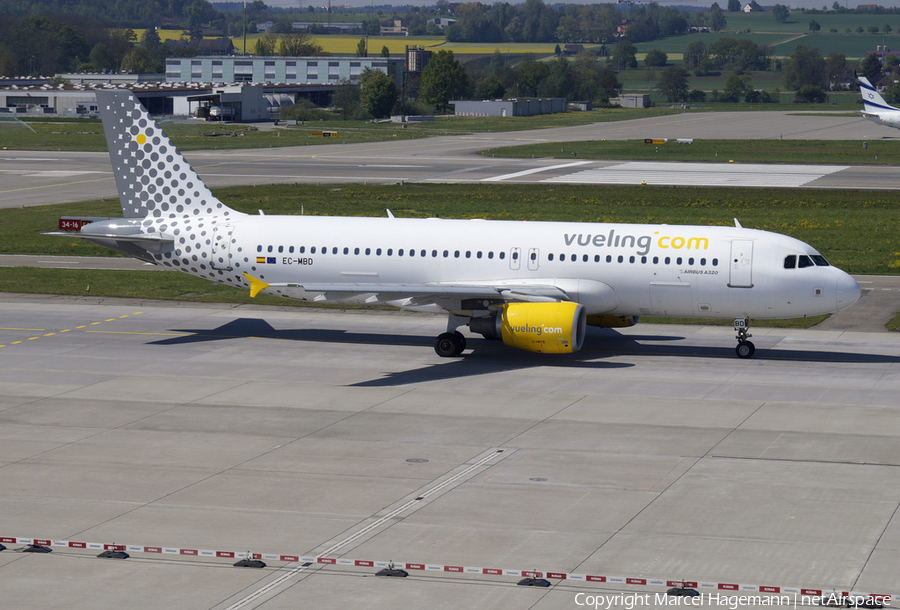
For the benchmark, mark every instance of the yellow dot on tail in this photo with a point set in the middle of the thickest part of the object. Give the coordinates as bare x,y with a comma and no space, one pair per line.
141,139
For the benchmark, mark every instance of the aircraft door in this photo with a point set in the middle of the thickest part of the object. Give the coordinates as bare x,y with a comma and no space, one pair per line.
534,259
515,258
221,247
741,264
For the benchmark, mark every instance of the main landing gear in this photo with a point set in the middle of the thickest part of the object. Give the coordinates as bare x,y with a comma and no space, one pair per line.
744,349
449,344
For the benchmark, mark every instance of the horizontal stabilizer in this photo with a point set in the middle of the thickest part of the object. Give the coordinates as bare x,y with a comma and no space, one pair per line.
140,238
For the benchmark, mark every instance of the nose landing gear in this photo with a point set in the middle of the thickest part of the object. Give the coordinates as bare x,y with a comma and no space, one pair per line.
744,349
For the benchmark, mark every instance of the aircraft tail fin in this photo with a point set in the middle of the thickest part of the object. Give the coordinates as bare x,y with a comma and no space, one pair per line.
872,100
153,179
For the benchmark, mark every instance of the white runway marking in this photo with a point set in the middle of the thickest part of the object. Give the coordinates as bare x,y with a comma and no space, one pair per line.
532,171
701,174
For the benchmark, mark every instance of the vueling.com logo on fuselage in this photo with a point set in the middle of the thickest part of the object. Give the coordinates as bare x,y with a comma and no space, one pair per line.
536,330
642,242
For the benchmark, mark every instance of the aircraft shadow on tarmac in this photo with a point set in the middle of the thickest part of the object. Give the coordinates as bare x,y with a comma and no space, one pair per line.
485,356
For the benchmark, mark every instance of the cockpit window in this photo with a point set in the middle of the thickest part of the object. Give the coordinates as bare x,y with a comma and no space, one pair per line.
790,261
805,261
819,260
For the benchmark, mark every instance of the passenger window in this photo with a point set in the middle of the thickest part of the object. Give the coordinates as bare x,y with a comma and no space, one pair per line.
678,261
346,250
422,253
356,251
585,258
668,260
456,254
291,249
446,253
259,248
550,257
378,252
334,250
399,252
491,254
478,255
412,252
433,254
608,258
621,258
390,251
691,261
790,261
302,249
368,251
312,250
534,256
574,257
502,255
596,258
715,262
515,256
269,248
468,254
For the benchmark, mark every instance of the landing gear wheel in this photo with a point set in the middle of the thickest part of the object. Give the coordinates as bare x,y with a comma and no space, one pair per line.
448,345
745,349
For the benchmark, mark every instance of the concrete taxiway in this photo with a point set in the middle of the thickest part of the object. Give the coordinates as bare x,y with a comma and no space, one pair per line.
39,178
653,453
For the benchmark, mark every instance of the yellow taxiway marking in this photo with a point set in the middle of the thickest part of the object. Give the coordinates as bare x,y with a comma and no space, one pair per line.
68,330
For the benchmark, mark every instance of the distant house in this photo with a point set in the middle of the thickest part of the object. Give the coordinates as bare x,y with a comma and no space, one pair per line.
216,46
442,22
571,50
702,29
754,7
395,27
265,27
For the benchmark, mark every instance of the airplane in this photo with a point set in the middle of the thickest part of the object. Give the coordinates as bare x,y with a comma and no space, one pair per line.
876,109
532,285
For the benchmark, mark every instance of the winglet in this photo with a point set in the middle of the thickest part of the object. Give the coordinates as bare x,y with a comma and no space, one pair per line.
256,285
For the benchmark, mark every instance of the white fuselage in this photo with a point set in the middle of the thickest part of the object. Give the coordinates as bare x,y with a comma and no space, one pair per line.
619,269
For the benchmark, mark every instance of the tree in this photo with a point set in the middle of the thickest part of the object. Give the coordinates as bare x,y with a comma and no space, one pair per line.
781,13
814,26
673,83
810,94
835,64
346,98
377,92
717,19
805,67
443,79
887,29
735,87
870,67
734,6
362,48
489,88
625,56
873,29
300,44
385,52
655,58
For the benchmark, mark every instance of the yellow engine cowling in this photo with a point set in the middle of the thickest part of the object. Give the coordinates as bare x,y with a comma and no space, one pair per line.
611,321
550,328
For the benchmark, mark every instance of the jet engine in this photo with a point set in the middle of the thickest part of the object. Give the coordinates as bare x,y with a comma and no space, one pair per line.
551,328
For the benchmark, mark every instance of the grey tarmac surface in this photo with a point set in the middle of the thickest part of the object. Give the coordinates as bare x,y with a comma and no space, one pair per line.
39,178
653,453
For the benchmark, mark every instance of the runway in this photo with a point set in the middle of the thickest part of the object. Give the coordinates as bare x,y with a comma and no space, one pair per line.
653,453
40,178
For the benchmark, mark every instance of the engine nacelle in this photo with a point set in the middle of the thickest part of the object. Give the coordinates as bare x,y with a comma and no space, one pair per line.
611,321
550,328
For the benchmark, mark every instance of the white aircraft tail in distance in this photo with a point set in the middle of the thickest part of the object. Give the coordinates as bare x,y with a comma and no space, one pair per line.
875,107
532,285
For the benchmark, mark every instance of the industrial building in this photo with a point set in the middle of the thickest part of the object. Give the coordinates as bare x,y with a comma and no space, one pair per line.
513,107
284,70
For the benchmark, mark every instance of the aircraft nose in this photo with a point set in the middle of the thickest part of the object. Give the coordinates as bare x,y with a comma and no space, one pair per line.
848,291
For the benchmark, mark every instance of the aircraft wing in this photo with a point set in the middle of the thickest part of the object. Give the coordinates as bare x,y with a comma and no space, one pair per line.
425,292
